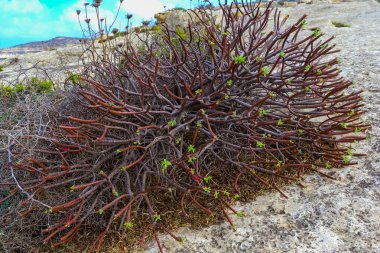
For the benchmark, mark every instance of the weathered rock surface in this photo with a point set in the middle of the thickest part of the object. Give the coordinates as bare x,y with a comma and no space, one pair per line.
327,216
53,57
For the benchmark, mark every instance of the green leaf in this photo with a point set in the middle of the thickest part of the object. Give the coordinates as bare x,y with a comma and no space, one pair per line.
128,225
172,123
240,59
207,179
229,83
240,214
262,112
157,217
207,189
165,164
216,194
265,71
236,196
317,32
191,148
183,240
75,78
259,144
191,159
181,33
351,113
308,67
226,193
280,122
282,54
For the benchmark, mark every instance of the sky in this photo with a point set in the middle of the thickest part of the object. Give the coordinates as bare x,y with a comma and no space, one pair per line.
24,21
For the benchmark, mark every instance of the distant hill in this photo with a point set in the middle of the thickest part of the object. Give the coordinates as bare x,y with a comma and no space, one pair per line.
38,46
55,42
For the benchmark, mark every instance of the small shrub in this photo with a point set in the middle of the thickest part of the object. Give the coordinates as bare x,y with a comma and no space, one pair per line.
179,9
6,90
339,24
74,78
40,86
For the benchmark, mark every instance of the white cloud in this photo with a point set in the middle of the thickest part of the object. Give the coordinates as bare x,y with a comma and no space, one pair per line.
22,18
145,8
21,6
69,17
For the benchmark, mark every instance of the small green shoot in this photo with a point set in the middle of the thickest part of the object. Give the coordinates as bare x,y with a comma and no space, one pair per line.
165,164
240,59
191,148
259,144
207,189
128,225
207,179
172,123
262,112
265,71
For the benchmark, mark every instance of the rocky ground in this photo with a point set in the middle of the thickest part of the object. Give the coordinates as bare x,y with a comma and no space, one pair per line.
327,216
48,59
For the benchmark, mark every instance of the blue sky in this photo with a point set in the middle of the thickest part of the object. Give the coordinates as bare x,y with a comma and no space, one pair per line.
34,20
